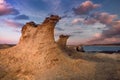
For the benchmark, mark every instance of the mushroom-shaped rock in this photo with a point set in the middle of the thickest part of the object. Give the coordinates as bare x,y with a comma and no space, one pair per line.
62,41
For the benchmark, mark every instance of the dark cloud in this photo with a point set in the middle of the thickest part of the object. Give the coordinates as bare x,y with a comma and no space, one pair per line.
59,29
14,11
78,32
66,16
85,8
22,17
6,9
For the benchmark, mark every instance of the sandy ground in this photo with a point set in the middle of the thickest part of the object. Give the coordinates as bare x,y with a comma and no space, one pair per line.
55,66
107,65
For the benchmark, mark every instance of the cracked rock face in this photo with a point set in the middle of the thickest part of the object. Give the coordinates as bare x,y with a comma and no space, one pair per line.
38,57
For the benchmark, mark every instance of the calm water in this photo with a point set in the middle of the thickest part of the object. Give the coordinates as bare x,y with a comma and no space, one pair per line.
101,48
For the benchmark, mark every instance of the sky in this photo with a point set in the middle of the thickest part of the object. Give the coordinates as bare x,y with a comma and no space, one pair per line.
86,21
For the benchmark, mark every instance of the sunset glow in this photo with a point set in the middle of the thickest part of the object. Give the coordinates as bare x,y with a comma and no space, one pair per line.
86,21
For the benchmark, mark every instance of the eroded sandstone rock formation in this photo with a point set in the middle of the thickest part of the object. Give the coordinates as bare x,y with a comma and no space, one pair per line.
38,57
62,41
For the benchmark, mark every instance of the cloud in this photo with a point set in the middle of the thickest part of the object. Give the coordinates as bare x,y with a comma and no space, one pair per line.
16,30
78,32
85,8
97,35
113,31
104,17
22,17
111,35
6,9
90,21
78,20
13,24
59,29
104,41
7,41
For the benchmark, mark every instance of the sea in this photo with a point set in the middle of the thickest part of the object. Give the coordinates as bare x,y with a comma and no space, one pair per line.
109,49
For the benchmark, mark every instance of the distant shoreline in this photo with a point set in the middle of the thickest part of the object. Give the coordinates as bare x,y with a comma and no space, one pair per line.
4,46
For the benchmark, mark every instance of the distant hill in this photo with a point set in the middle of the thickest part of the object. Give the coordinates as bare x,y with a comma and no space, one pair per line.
112,44
106,45
4,46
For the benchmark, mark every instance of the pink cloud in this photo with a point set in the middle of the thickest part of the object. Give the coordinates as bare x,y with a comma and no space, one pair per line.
85,8
97,35
111,35
104,17
104,41
7,41
90,21
78,20
82,20
6,8
113,31
13,24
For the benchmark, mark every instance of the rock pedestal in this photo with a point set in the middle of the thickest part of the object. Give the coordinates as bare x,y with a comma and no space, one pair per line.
62,41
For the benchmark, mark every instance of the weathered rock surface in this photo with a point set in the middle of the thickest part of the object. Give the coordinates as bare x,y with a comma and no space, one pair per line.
62,41
62,44
38,57
79,49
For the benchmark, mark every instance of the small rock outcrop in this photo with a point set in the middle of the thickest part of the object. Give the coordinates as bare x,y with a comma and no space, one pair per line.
62,41
79,49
